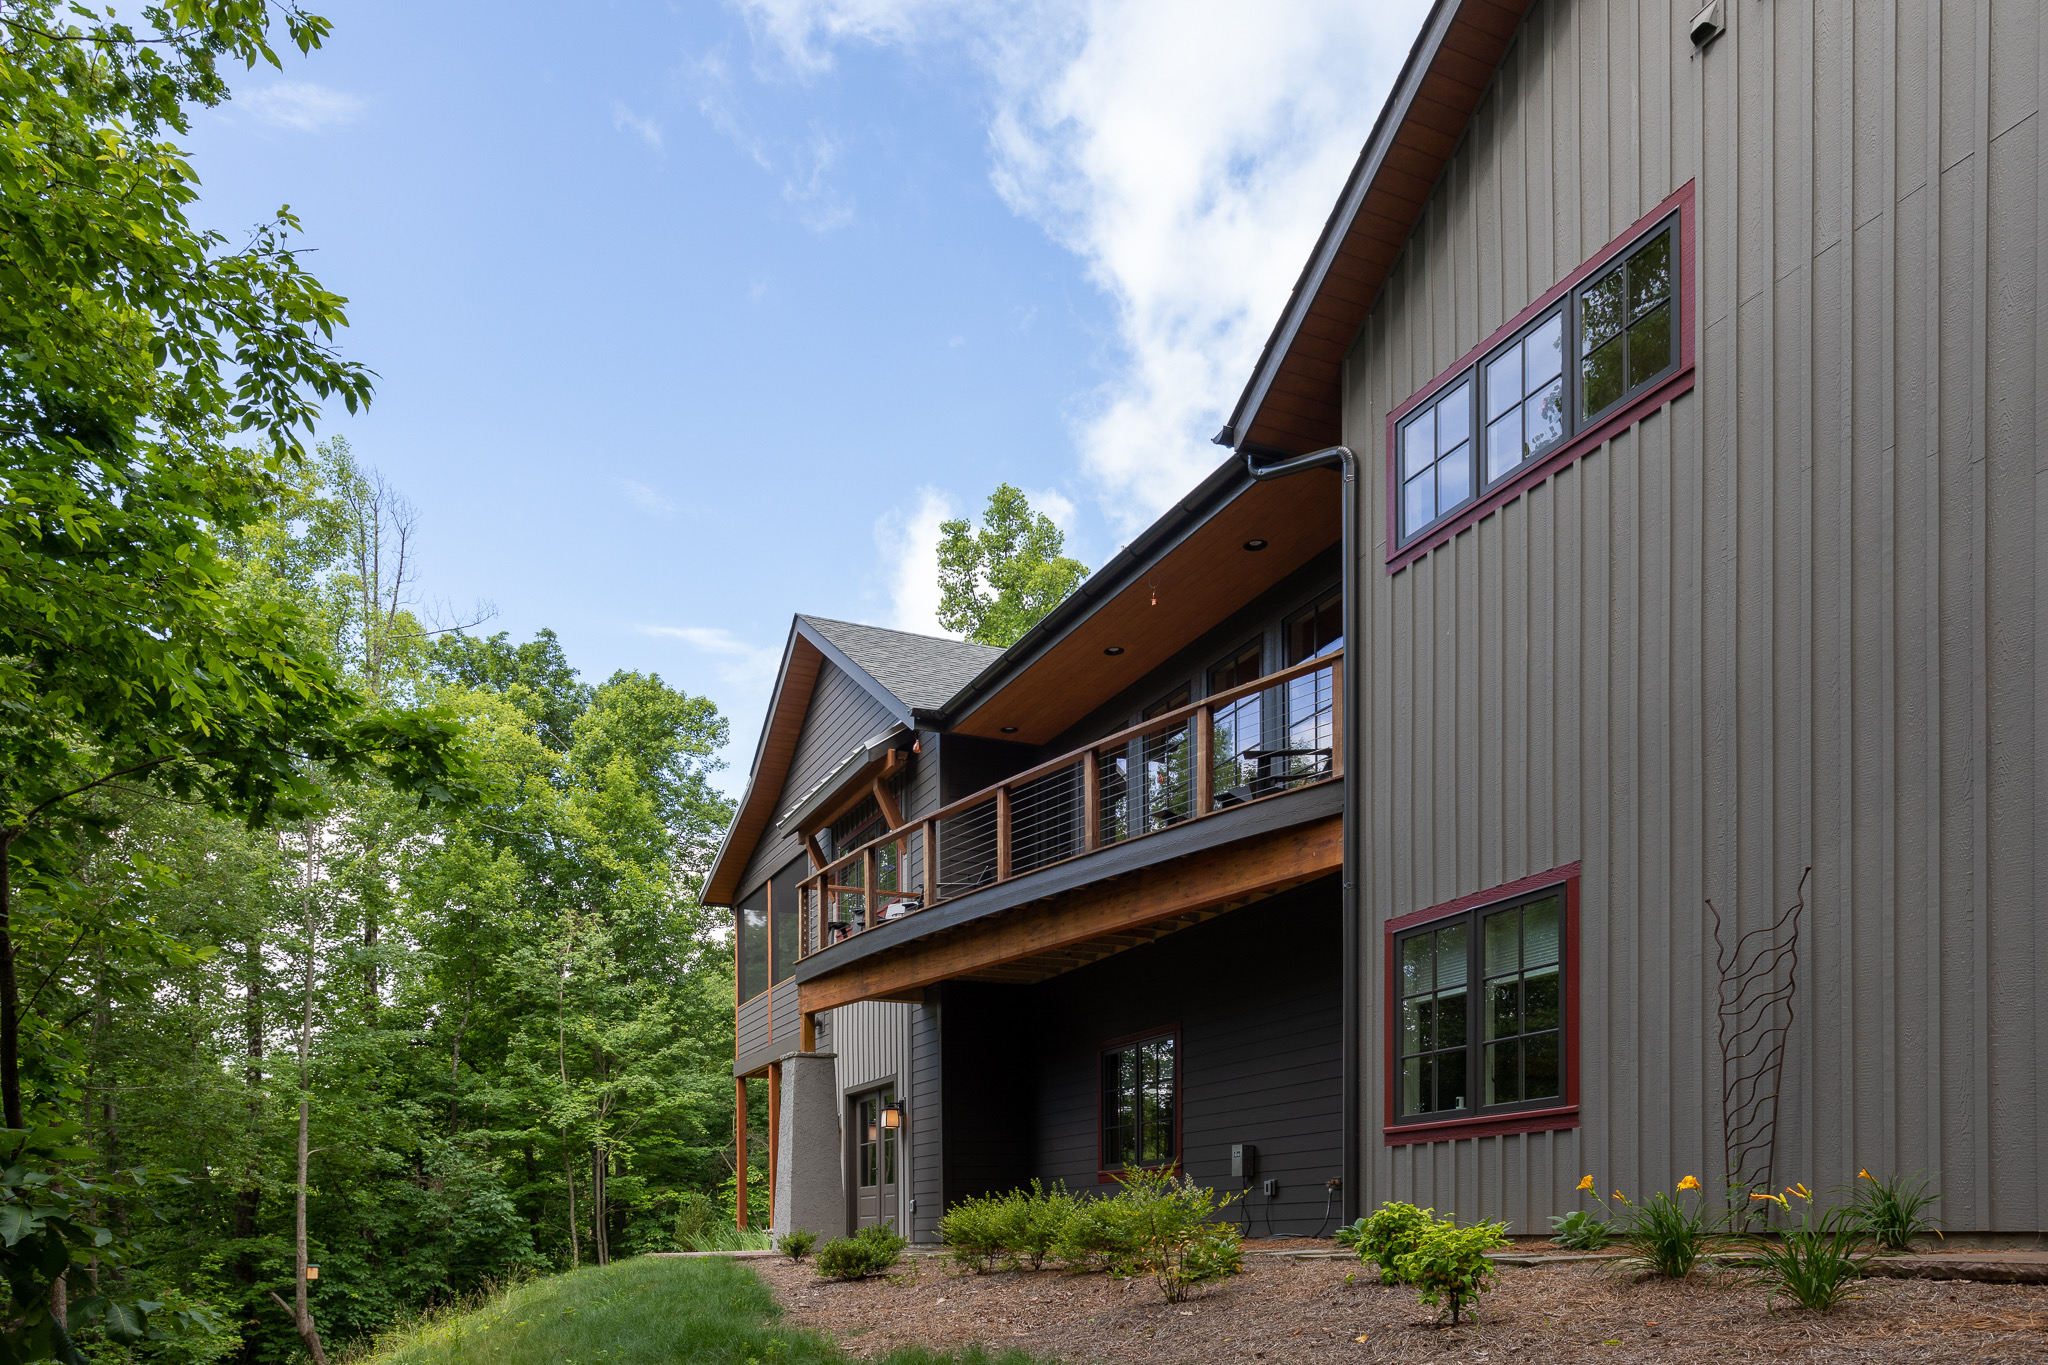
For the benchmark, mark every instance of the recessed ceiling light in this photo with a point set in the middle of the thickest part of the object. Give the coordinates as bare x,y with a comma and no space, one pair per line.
1114,650
1255,544
1009,729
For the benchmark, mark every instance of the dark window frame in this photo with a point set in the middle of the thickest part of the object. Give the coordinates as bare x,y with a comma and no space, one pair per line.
1526,1116
1105,1173
1582,434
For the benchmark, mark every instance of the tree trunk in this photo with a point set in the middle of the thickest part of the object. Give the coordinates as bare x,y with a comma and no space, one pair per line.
569,1174
455,1064
249,1199
10,997
600,1245
302,1315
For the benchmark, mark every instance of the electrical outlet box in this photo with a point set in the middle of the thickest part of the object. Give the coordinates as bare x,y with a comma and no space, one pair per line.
1244,1161
1271,1189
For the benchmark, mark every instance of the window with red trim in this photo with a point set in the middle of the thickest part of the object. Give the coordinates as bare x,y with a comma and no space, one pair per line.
1611,337
1480,1006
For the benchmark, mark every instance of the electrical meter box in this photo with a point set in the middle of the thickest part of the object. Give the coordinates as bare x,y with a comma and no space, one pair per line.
1244,1160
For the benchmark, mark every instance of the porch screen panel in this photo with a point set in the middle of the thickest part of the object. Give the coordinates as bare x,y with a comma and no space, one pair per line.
753,945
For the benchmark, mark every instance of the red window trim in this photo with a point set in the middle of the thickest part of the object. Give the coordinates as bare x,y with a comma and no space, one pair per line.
1680,381
1560,1116
1106,1174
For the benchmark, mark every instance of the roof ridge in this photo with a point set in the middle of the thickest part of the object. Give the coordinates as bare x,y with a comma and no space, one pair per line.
892,630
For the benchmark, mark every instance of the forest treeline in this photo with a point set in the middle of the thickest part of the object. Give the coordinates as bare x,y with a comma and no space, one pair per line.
333,932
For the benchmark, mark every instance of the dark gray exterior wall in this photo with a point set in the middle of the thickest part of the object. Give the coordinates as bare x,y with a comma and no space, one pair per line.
1798,616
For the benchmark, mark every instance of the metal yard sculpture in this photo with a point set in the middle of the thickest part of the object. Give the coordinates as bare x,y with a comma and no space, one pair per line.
1759,973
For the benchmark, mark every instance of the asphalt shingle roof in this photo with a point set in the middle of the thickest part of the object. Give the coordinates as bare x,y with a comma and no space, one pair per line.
924,672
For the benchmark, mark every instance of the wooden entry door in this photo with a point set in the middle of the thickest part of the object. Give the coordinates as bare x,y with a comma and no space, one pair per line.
874,1159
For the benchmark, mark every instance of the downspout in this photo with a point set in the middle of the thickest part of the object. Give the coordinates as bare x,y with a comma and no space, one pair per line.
1264,462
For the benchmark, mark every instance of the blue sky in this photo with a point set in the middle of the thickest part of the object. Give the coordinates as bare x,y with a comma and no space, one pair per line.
690,316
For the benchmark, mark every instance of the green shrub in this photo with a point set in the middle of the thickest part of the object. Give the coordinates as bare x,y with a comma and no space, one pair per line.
1029,1222
870,1251
1664,1237
1892,1210
973,1231
1176,1237
796,1244
696,1214
1449,1265
1351,1234
1579,1230
1099,1234
1817,1262
1390,1233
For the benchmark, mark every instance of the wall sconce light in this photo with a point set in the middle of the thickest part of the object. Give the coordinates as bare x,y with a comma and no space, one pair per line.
312,1273
892,1116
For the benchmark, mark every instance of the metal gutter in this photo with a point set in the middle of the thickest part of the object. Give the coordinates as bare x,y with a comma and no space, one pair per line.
869,752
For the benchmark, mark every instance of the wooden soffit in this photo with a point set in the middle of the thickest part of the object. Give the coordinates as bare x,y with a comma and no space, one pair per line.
801,661
1172,601
1048,937
1294,400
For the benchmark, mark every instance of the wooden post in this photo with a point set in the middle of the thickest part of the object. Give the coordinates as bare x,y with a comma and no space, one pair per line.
1002,834
931,861
774,1131
807,1036
1091,802
867,886
1205,761
739,1126
1337,718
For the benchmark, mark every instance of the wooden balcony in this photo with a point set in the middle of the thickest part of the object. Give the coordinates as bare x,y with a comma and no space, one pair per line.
1234,750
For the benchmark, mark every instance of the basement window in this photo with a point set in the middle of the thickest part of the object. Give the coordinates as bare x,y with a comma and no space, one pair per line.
1140,1118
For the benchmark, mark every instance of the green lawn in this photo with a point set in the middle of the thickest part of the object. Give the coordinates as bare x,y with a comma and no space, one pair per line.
639,1312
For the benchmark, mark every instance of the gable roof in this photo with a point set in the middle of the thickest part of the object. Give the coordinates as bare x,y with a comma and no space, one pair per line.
1294,398
911,675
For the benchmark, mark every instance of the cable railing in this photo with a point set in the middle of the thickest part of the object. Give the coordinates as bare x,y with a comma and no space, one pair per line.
1261,739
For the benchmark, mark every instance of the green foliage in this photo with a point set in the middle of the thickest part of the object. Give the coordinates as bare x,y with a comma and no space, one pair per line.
1580,1230
1666,1238
1099,1234
1893,1210
1170,1221
870,1251
1817,1261
1351,1234
796,1244
1021,1227
976,1232
996,583
1448,1264
641,1312
1390,1232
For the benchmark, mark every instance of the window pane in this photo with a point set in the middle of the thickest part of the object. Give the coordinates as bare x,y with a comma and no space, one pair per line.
1450,1018
1450,956
1539,999
1542,1076
1602,378
1450,1080
1649,344
753,945
1543,353
1504,446
1454,477
1649,276
1503,382
1543,418
1415,1088
1503,942
1539,932
1504,1073
1454,418
1503,1008
1415,1025
1419,501
1418,443
1600,312
1417,955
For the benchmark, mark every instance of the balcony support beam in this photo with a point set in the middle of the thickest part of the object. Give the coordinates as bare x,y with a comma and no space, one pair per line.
1205,760
1003,834
1091,801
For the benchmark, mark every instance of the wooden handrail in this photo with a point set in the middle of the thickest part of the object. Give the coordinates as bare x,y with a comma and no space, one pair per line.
821,878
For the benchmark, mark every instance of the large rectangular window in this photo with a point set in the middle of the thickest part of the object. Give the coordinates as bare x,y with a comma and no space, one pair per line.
1478,1009
753,944
1613,335
1140,1102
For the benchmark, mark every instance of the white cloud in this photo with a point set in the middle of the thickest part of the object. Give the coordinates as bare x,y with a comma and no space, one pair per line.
302,106
647,499
739,663
803,168
1188,151
646,126
909,544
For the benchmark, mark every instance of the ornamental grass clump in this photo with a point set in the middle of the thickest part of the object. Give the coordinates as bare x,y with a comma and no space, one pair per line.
1664,1237
1893,1210
1816,1261
1449,1265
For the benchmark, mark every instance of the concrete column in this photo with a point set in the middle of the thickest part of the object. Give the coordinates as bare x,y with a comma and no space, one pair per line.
809,1190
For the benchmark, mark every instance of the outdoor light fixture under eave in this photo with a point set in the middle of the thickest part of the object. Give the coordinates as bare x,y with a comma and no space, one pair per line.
892,1116
1255,544
1114,650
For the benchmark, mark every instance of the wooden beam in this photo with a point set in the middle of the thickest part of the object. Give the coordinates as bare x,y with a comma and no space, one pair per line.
1002,834
931,862
739,1126
1201,881
1091,801
1337,718
807,1033
1205,759
885,800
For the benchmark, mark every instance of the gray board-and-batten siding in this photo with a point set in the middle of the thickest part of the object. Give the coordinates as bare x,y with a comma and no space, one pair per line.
1796,616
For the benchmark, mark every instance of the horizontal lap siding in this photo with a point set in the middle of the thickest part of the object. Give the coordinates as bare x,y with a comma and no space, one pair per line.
1798,616
753,1030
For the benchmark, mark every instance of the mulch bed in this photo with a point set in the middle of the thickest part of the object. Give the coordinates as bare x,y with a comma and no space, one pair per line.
1281,1311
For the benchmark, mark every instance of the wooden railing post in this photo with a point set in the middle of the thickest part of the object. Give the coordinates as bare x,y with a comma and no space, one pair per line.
1091,802
931,862
1205,760
1002,834
867,885
1337,718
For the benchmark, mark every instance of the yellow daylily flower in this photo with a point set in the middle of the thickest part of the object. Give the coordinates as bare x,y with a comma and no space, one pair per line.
1586,1183
1774,1198
1691,1182
1799,1188
1865,1175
